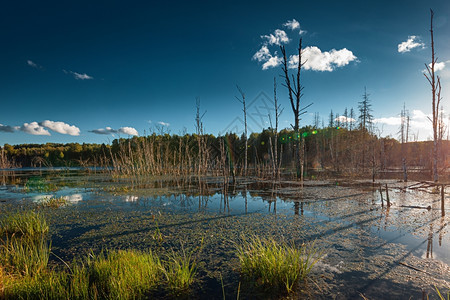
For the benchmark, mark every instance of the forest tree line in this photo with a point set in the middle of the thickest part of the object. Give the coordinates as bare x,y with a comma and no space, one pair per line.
332,149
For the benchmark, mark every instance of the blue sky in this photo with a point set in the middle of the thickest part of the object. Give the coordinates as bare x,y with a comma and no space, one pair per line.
90,71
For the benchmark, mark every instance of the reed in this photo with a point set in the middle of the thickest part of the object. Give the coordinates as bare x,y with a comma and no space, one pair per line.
25,256
28,223
54,202
123,274
179,271
275,266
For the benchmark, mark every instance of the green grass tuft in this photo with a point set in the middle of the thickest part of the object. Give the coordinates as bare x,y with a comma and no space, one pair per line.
39,184
54,202
180,270
122,274
29,223
275,266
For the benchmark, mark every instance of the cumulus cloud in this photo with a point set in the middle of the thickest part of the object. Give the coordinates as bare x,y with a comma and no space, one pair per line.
438,66
34,128
61,127
277,38
293,24
264,55
163,123
316,60
313,58
109,130
79,76
412,42
7,128
344,119
33,64
128,130
388,121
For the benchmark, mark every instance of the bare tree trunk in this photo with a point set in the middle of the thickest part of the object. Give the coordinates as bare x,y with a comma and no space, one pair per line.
245,128
295,93
435,83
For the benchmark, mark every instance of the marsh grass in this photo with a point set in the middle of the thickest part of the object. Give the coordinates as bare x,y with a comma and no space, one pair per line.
25,256
441,296
123,274
115,274
28,223
39,184
54,202
275,266
179,271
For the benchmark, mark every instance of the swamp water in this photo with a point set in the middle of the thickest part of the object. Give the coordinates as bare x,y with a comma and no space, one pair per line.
397,252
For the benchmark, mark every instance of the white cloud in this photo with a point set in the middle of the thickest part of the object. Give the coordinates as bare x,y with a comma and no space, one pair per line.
264,55
7,128
344,119
388,121
109,130
128,130
33,64
316,60
412,42
61,127
438,66
272,62
293,24
279,37
34,128
163,123
79,76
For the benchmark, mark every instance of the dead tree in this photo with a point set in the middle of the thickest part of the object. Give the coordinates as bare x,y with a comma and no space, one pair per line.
275,164
404,133
242,100
435,83
295,94
200,138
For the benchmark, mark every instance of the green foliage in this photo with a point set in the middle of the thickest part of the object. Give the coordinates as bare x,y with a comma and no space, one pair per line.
122,274
180,270
54,202
25,255
39,184
275,266
27,223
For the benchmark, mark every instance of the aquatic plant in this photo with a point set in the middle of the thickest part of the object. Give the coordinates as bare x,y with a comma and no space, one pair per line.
123,274
29,223
442,297
54,202
39,184
273,265
26,256
180,270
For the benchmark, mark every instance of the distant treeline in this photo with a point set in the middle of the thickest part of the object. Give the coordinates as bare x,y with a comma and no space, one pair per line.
332,149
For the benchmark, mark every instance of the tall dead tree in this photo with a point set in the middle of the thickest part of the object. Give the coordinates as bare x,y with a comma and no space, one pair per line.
435,83
242,100
295,94
278,111
200,138
404,134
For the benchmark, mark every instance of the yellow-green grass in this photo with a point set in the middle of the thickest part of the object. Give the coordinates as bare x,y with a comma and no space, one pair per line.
179,271
23,223
54,202
275,266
